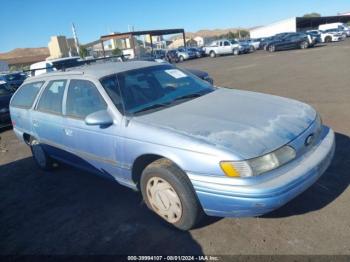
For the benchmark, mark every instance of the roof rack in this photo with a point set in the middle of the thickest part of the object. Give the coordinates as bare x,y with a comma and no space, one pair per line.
64,64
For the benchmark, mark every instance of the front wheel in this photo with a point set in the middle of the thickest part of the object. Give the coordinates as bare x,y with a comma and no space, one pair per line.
169,193
42,159
328,39
304,45
181,58
272,48
235,51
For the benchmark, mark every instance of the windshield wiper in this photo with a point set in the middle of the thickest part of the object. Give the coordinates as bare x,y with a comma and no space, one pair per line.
150,107
194,95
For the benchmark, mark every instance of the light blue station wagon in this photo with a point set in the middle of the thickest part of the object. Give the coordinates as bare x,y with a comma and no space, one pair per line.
190,148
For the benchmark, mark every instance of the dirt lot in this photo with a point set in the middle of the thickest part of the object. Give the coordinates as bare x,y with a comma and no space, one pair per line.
72,212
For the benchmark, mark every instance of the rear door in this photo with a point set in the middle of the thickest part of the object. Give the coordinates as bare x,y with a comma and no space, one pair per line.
21,106
47,118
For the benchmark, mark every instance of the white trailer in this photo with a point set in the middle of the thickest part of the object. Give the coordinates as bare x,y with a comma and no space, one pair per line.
287,25
340,26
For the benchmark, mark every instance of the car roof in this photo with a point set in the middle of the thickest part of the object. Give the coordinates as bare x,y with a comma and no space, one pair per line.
98,69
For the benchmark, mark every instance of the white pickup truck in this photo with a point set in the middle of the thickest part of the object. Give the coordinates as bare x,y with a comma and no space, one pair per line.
222,47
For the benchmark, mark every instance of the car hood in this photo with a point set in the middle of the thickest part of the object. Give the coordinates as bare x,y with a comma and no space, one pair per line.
245,123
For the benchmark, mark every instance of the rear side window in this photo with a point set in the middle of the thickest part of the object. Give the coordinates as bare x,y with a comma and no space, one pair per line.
26,95
83,99
51,99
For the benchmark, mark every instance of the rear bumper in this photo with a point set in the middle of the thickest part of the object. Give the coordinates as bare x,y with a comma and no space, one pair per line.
225,198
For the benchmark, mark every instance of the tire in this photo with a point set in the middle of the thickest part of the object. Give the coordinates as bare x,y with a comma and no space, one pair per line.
212,54
168,192
303,45
252,49
272,48
181,58
328,39
41,158
235,51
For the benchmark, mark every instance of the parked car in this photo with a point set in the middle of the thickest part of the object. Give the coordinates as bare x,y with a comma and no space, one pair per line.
14,79
327,37
291,41
154,128
246,46
185,54
337,33
222,47
53,65
336,26
264,42
171,56
255,43
198,51
6,92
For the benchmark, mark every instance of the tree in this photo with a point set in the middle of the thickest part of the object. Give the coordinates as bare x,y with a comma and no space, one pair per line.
312,15
83,52
116,51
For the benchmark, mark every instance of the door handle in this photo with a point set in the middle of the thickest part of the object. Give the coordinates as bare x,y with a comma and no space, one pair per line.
35,123
68,132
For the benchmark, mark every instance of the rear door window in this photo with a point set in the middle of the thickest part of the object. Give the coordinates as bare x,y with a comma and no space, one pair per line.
51,99
83,99
26,95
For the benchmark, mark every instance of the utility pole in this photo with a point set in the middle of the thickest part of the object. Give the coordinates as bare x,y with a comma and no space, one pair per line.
75,38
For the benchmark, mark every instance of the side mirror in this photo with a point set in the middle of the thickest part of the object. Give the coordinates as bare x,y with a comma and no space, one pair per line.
99,118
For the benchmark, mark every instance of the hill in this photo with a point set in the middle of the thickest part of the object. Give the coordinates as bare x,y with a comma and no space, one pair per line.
25,55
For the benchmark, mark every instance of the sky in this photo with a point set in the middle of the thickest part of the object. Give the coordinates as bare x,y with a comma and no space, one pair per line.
30,23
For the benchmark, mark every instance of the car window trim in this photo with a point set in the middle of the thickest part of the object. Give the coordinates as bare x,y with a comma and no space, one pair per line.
65,96
41,94
35,98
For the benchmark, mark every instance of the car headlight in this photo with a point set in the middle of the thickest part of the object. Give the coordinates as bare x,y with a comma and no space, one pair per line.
259,165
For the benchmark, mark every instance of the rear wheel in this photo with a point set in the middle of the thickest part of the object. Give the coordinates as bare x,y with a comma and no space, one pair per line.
212,54
235,51
181,58
328,39
251,49
272,48
169,193
42,159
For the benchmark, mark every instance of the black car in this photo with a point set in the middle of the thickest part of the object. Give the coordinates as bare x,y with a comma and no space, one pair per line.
13,79
289,41
6,92
171,56
198,51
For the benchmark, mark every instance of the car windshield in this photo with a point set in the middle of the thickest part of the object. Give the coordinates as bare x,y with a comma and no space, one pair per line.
153,87
5,89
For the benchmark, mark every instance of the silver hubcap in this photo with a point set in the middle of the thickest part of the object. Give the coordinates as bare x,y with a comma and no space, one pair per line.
163,199
39,154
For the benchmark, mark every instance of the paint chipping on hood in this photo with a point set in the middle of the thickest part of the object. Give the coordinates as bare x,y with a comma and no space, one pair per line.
246,123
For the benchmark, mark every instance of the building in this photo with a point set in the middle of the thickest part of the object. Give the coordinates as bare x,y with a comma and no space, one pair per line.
137,43
60,46
346,13
296,24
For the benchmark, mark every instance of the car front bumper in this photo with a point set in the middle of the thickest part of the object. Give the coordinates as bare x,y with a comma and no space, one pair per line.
225,198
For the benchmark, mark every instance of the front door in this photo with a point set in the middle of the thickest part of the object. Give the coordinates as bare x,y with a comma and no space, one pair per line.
95,148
